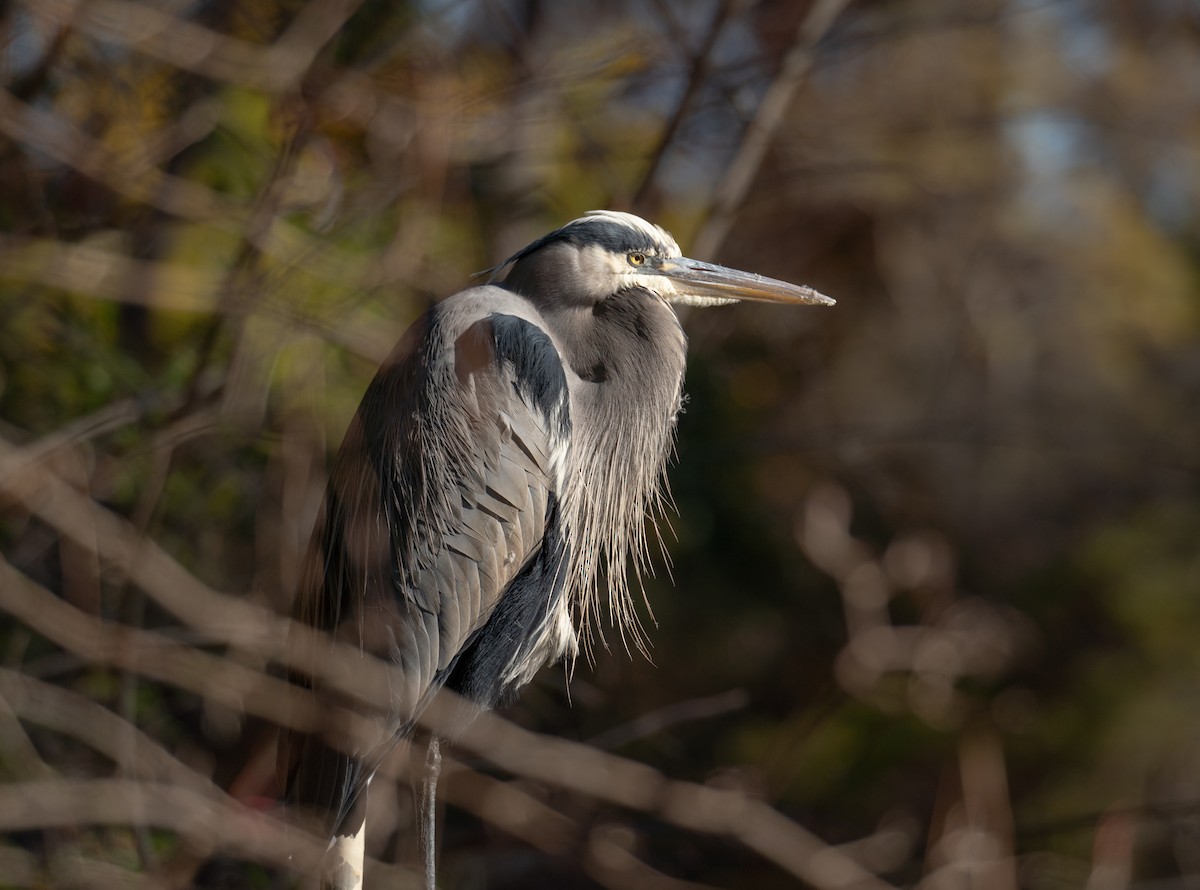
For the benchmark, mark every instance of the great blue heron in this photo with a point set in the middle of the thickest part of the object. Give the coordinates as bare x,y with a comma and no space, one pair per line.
495,482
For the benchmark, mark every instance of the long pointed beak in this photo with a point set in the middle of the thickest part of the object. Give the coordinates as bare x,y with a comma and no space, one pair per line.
705,284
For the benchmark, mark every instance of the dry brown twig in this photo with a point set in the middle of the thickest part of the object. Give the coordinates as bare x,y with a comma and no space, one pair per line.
558,763
555,762
739,175
972,836
68,713
191,47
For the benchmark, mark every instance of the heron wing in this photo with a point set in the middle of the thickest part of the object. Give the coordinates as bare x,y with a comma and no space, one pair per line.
442,505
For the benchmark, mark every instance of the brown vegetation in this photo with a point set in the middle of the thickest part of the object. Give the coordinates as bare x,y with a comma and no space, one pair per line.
935,581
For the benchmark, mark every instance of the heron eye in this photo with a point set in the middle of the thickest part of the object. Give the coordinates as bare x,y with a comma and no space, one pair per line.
637,259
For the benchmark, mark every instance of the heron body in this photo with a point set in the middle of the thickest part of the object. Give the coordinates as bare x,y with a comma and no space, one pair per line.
492,489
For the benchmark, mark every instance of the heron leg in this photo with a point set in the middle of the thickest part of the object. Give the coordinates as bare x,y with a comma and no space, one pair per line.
343,866
428,818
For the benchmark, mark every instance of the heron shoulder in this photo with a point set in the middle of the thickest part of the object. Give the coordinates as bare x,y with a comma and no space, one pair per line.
490,327
465,308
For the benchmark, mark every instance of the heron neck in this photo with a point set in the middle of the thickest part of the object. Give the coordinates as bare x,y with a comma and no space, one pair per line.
627,357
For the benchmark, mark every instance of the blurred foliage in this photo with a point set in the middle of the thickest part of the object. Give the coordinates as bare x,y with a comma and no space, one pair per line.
990,444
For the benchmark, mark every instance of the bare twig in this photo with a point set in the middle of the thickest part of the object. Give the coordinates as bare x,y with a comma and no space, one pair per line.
154,656
222,618
563,764
211,822
612,862
72,714
61,140
505,805
739,176
106,274
602,776
696,75
672,715
191,47
69,868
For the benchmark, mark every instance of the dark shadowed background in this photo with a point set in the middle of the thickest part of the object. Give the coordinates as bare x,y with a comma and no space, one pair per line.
931,601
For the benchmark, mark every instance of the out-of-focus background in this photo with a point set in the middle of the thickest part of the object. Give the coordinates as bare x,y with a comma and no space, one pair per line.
934,604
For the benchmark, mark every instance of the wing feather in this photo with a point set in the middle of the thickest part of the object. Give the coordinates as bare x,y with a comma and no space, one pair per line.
440,497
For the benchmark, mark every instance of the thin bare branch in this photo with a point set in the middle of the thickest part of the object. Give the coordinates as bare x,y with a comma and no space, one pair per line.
69,868
672,715
220,617
739,176
698,70
152,655
612,861
85,269
61,140
571,766
562,764
580,768
505,805
191,47
211,823
75,715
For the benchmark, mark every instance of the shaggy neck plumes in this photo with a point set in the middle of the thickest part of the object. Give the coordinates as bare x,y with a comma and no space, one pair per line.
628,352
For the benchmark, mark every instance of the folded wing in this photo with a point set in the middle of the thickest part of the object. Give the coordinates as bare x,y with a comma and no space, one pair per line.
439,545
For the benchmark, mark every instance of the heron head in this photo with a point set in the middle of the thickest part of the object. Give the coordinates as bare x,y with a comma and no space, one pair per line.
606,252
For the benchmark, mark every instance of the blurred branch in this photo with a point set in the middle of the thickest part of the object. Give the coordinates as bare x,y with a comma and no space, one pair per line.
144,183
18,755
508,807
236,622
20,868
93,271
672,715
739,176
570,766
274,68
239,688
567,765
586,770
62,141
82,429
925,22
105,274
611,861
192,47
77,517
698,70
610,858
69,713
158,658
69,869
971,835
212,823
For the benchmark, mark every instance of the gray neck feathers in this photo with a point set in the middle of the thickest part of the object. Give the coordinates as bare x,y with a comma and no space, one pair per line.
629,353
